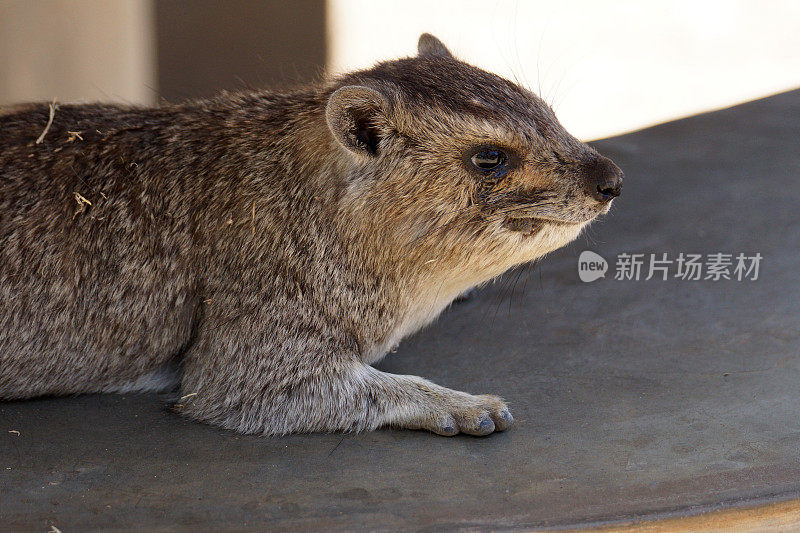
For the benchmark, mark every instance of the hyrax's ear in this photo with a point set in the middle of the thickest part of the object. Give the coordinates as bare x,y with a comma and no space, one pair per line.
354,114
430,46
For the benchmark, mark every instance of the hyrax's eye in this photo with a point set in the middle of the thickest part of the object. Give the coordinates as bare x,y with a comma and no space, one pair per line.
489,159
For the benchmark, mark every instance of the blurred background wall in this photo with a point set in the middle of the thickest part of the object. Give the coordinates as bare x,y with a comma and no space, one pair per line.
207,45
77,50
606,66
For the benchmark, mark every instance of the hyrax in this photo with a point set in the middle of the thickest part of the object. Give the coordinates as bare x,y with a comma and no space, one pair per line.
264,249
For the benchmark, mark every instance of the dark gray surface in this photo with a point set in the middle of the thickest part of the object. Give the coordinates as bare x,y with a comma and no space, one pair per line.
631,398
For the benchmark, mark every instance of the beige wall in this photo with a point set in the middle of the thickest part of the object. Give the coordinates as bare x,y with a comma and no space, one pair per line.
86,50
606,66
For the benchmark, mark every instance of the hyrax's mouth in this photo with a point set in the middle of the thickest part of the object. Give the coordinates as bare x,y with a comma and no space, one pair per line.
531,225
526,225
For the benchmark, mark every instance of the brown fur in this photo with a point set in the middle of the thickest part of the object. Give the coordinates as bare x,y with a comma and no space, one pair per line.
264,249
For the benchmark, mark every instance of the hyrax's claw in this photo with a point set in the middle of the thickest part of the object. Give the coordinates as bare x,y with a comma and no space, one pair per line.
503,420
446,427
475,423
447,431
486,426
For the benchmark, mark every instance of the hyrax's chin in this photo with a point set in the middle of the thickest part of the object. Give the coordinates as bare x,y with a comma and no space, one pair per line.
534,237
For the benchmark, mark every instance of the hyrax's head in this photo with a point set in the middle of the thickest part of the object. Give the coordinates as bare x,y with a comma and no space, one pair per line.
446,156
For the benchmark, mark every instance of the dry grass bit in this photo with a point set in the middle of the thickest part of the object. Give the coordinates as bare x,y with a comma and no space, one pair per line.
53,107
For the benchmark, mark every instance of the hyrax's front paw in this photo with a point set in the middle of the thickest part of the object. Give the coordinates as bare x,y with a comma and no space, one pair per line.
463,413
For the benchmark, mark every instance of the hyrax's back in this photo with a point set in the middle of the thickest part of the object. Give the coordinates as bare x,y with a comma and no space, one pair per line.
92,269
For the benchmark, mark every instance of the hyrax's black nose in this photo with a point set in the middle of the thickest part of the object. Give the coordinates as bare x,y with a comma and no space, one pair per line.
603,179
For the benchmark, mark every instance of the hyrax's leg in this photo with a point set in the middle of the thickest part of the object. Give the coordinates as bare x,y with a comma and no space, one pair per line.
348,399
293,386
